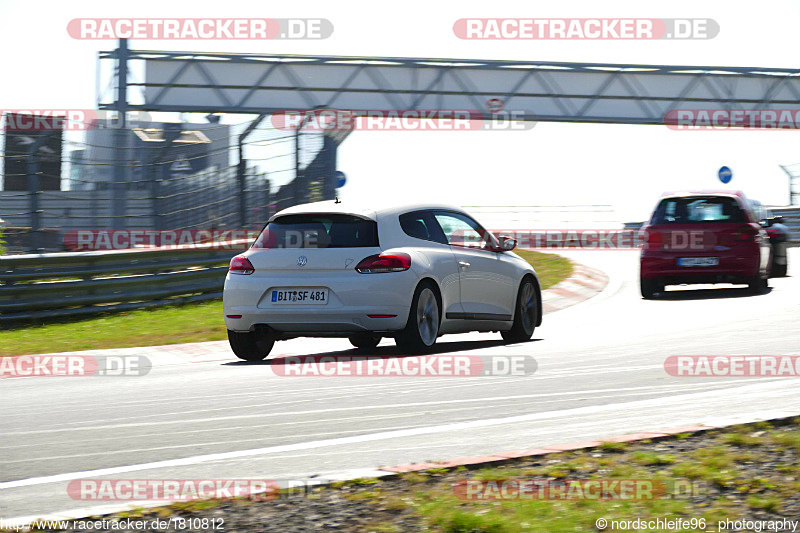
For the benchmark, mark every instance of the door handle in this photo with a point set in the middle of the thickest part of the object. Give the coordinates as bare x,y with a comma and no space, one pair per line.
463,264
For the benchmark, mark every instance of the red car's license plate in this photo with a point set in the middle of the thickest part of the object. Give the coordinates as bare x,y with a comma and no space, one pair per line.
698,261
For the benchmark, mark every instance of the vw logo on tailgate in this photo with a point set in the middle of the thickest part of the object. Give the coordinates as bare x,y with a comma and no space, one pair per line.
302,260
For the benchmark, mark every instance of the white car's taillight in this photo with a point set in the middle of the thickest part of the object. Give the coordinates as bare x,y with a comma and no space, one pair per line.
374,264
241,265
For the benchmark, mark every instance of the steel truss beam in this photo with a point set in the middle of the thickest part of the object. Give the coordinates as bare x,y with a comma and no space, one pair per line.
541,91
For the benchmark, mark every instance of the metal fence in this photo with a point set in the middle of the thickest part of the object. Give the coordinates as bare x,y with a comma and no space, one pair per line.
791,219
39,286
547,216
793,172
153,175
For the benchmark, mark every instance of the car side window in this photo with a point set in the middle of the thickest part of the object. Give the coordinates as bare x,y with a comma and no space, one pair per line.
422,225
460,230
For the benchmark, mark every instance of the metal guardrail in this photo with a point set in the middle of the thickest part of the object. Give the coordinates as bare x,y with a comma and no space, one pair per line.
36,286
791,219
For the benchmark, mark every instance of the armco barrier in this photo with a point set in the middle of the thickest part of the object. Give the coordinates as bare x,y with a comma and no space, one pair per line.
791,219
83,283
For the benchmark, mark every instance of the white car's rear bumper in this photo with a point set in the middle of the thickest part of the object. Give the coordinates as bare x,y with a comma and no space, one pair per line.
352,298
328,322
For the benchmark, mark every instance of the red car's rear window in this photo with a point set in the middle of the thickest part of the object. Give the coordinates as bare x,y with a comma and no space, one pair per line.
698,210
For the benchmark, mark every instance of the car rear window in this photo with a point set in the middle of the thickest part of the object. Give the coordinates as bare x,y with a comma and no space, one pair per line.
318,231
693,209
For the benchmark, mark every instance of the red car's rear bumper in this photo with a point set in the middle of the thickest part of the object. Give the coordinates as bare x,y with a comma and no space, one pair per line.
731,268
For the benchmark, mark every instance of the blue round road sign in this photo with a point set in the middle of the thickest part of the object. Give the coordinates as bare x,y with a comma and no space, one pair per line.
341,179
725,174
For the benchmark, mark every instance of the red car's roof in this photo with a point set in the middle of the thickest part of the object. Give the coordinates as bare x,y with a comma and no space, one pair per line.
705,192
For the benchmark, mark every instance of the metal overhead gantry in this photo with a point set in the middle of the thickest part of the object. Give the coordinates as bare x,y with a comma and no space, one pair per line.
535,90
488,89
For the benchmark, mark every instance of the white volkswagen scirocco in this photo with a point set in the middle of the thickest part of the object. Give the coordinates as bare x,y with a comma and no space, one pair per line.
414,272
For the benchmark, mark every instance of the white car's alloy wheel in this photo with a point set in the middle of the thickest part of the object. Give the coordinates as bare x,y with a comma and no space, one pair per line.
427,317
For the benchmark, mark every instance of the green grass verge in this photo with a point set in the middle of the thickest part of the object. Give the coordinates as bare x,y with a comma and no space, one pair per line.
550,268
745,472
174,324
145,327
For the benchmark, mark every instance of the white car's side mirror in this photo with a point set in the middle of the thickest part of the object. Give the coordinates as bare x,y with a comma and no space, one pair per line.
507,243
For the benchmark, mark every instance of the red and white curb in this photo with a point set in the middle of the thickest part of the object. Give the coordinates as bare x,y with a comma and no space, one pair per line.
167,354
720,423
584,283
545,450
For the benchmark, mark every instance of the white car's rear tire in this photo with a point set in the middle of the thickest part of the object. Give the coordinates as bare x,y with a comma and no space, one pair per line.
250,346
364,340
422,327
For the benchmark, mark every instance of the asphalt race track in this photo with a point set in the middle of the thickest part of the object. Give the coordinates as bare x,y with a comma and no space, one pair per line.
600,373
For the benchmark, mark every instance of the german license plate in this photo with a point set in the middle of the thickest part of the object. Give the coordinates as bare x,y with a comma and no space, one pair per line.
300,296
698,261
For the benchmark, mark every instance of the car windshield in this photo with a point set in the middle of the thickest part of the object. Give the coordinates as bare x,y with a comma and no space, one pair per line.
705,209
318,231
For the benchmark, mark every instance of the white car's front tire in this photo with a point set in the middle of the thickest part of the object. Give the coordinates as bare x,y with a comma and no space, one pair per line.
526,313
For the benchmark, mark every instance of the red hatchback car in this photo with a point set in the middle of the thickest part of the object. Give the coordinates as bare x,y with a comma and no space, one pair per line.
704,237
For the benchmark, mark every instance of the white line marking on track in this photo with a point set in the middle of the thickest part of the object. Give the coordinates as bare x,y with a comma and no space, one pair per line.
104,427
342,441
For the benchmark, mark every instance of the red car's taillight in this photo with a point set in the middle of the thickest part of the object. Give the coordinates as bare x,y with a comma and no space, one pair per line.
654,240
241,265
375,264
747,233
